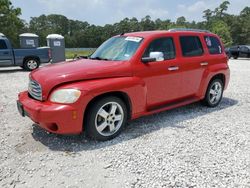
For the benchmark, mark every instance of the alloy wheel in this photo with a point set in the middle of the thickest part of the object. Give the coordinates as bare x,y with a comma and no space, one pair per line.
215,93
109,119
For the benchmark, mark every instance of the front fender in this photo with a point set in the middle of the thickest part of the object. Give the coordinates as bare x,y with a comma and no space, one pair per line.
133,87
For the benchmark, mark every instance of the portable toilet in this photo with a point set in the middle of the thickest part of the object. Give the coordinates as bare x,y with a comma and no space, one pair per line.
29,40
57,44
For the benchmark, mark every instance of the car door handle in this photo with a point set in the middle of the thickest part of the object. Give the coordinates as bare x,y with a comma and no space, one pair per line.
174,68
204,63
6,53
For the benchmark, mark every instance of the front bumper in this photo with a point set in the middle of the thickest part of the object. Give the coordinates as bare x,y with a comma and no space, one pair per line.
55,118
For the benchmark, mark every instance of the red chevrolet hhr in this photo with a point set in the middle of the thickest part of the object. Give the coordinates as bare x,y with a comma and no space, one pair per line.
128,76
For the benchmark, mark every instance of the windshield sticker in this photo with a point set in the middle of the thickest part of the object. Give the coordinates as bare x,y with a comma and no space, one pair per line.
134,39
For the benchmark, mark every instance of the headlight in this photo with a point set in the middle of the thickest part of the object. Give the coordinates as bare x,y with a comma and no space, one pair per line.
65,96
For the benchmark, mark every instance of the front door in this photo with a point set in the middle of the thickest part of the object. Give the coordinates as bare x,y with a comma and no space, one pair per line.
162,77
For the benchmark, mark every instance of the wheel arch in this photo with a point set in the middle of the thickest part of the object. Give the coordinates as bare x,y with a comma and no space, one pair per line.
31,57
204,86
119,94
220,76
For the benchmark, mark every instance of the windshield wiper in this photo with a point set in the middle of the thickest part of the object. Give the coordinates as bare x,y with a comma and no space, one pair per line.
98,58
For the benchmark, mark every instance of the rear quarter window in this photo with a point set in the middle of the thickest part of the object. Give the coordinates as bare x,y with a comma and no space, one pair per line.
191,46
213,44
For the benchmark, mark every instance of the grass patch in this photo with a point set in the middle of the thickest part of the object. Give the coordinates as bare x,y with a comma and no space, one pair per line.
71,54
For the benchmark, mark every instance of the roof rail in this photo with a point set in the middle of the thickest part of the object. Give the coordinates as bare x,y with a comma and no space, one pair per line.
187,29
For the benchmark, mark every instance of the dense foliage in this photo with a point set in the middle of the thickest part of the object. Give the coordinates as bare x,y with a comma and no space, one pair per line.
233,29
10,23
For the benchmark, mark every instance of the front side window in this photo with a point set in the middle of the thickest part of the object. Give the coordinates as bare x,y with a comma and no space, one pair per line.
213,44
3,45
191,46
164,45
117,49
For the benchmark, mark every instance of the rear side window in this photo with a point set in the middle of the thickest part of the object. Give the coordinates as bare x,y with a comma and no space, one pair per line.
191,46
164,45
213,44
3,44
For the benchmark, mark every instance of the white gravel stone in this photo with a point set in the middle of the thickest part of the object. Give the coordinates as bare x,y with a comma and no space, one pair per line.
191,146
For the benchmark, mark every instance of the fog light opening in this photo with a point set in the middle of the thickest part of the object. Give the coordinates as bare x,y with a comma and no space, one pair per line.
53,127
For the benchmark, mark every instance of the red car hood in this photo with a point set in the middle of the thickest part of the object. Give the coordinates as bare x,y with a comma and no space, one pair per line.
52,75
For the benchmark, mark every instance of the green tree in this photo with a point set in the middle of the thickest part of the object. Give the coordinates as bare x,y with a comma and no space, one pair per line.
220,28
233,29
147,24
181,21
44,25
220,11
207,15
244,20
10,23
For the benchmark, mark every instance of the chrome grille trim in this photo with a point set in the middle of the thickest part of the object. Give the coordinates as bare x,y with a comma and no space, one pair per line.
35,90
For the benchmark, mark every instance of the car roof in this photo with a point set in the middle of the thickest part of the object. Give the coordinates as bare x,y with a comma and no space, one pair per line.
146,34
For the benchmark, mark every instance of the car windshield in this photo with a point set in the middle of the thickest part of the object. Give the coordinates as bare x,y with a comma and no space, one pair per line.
117,49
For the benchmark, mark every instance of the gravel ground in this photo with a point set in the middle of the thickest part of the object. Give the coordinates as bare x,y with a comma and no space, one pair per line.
192,146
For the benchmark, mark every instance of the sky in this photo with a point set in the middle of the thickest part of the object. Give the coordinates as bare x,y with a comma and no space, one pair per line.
101,12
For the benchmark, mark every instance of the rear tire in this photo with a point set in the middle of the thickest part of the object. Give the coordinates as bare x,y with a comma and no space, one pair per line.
106,118
235,57
214,93
31,64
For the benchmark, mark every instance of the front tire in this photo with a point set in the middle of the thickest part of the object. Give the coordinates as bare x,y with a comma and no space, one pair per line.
106,118
214,93
31,64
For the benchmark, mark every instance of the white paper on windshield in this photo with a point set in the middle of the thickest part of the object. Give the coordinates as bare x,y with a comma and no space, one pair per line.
134,39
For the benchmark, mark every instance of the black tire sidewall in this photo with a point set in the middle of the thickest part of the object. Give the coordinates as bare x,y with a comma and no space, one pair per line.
207,98
89,123
26,67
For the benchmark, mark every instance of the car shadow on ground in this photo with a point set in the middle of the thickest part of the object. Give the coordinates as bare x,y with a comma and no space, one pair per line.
137,128
240,59
12,70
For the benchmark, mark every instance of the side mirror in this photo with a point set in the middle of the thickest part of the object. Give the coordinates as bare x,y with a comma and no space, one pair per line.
153,56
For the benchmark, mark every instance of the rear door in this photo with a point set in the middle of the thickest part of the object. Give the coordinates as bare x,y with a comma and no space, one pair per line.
193,64
5,54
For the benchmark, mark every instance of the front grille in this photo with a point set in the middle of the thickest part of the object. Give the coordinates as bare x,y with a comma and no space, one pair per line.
35,90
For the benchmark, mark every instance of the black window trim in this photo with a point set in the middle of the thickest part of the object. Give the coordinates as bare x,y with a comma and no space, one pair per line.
187,56
173,42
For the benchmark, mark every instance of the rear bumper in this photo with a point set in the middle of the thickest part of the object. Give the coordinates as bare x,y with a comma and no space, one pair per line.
55,118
